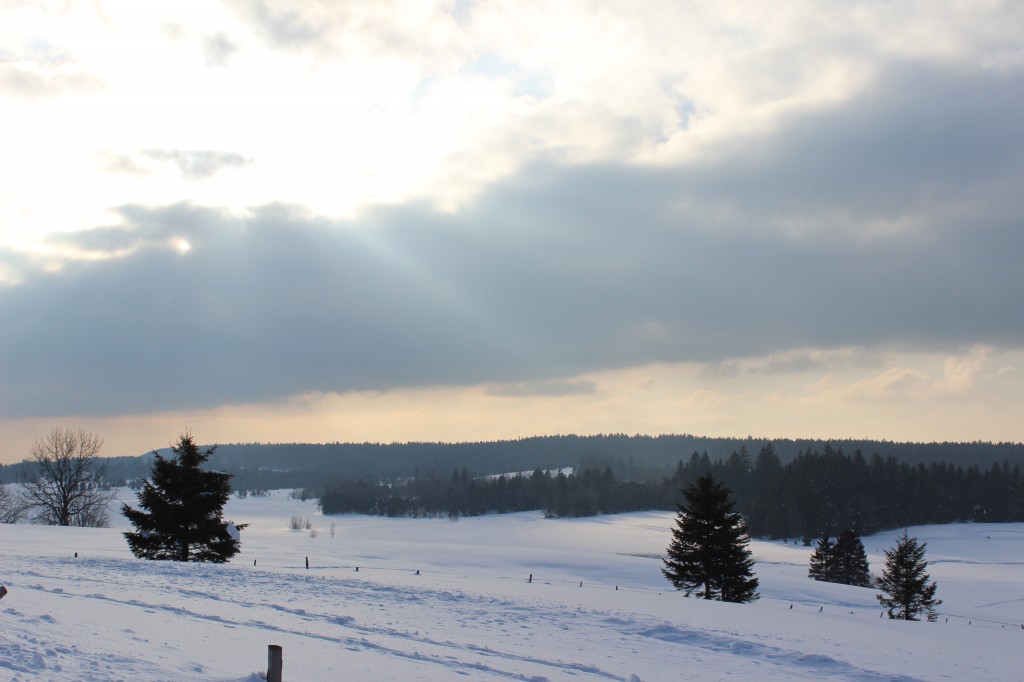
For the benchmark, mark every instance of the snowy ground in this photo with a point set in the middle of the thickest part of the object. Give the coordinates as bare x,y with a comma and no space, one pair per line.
470,612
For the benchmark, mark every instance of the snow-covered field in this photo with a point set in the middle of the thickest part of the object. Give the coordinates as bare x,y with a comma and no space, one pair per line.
427,599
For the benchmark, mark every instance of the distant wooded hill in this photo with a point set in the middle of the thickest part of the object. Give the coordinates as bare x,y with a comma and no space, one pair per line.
630,458
789,488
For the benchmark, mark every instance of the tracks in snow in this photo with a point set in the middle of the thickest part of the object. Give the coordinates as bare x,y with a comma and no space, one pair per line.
399,622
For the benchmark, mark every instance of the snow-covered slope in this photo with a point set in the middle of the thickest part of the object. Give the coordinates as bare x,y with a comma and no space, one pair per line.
437,600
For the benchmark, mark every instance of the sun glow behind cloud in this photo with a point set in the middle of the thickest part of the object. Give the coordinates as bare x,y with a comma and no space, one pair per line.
483,207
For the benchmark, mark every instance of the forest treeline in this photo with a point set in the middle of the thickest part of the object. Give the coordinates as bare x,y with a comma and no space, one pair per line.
816,493
266,466
789,488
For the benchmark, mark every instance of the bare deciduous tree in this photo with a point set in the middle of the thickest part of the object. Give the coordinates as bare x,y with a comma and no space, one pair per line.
10,506
62,480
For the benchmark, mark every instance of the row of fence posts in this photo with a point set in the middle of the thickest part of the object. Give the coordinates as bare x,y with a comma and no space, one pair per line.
275,654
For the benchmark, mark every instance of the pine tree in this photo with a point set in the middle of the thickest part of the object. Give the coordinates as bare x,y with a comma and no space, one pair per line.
841,561
850,566
906,591
823,560
709,549
181,507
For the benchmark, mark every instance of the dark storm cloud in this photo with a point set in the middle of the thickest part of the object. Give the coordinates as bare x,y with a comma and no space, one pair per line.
559,270
884,154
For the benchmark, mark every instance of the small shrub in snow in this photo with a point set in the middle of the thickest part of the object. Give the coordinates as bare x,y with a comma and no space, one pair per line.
299,523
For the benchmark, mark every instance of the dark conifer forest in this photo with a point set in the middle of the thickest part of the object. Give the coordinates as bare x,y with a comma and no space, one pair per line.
814,494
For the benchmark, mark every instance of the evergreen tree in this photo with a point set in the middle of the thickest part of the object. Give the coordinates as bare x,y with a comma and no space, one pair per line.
767,504
850,561
823,560
906,591
841,561
709,546
181,507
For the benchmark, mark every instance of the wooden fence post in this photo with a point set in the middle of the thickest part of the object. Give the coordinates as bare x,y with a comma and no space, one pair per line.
275,663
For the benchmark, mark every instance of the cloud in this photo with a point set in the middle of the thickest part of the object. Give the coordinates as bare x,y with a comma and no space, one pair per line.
33,68
793,360
218,49
122,163
950,378
844,228
961,372
111,239
29,82
13,266
194,165
543,388
198,164
896,383
328,29
289,26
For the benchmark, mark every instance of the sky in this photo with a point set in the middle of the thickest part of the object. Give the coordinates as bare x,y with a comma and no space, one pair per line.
282,221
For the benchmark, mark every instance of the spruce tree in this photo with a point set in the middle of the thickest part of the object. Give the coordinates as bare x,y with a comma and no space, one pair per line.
841,561
906,589
181,507
822,560
709,548
850,565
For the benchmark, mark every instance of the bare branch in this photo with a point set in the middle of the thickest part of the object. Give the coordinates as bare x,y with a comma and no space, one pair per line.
11,507
62,482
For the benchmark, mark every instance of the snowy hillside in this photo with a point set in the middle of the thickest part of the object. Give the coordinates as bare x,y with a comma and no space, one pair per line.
440,600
